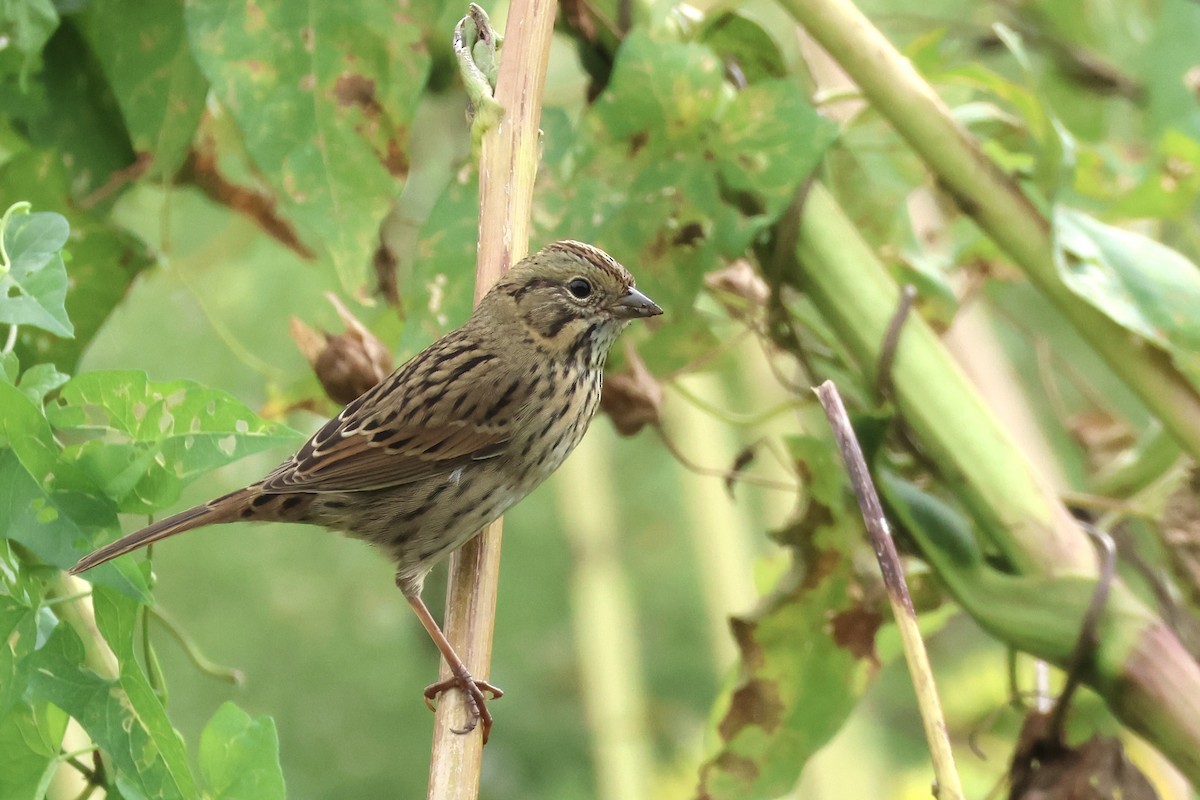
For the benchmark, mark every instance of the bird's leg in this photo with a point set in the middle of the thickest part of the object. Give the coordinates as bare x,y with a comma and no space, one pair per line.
476,691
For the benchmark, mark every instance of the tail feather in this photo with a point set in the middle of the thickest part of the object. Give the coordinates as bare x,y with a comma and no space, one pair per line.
223,509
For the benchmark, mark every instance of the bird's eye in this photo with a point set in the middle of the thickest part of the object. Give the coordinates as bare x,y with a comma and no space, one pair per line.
579,287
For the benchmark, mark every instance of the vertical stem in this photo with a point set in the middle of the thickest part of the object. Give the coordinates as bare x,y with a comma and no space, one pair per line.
602,606
506,175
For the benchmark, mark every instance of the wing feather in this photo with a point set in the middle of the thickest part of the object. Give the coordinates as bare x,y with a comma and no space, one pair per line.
404,430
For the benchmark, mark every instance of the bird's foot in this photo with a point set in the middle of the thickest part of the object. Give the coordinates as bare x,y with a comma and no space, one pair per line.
476,693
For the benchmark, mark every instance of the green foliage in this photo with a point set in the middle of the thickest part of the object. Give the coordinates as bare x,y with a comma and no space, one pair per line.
1146,287
141,441
73,452
33,277
787,702
239,756
323,97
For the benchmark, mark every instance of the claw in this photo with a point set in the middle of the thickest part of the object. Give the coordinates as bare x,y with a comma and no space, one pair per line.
476,693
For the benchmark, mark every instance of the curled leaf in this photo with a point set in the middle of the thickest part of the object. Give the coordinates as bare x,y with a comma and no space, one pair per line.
739,288
632,399
346,364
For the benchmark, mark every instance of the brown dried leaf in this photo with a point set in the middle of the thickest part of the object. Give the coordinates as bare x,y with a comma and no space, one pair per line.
739,288
347,364
1045,769
1103,436
632,399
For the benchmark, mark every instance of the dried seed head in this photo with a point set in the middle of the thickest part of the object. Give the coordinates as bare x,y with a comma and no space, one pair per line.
346,364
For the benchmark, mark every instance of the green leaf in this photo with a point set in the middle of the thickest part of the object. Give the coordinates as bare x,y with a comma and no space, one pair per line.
30,739
104,258
673,172
239,756
34,287
1164,59
1140,284
145,440
770,139
122,715
39,380
324,95
10,367
805,661
59,527
75,117
744,43
661,89
24,429
157,84
29,23
19,603
439,294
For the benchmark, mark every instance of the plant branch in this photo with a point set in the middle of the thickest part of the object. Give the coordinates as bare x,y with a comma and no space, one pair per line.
948,784
507,169
1143,672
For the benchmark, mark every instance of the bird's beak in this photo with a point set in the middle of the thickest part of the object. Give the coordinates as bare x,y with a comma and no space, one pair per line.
634,304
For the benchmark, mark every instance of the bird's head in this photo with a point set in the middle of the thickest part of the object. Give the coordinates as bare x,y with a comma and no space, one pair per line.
572,299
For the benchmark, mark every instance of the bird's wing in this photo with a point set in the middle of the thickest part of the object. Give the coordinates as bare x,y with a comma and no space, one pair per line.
448,406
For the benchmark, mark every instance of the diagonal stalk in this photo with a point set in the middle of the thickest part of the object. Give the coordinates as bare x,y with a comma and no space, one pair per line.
994,200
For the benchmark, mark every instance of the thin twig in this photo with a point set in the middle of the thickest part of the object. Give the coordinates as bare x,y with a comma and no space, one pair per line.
724,474
891,340
948,785
1085,645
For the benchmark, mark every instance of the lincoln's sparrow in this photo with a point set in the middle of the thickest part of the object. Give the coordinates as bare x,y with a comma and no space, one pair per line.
445,444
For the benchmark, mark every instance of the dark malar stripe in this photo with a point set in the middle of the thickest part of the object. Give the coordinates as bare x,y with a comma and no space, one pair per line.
558,323
582,346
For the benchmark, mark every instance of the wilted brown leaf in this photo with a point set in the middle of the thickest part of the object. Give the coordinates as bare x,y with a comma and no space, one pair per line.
739,288
1044,768
346,364
633,399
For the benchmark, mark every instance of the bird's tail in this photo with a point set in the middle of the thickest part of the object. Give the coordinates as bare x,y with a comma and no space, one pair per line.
223,509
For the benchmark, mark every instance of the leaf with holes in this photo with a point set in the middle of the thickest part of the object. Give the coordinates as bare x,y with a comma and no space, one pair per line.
324,94
141,441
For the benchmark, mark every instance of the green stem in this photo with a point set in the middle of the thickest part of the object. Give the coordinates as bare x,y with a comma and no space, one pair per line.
1014,504
606,623
1142,671
894,88
198,659
21,207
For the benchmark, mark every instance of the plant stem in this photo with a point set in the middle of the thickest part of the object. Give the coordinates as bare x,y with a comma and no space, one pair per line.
507,169
602,605
948,785
994,200
1012,502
